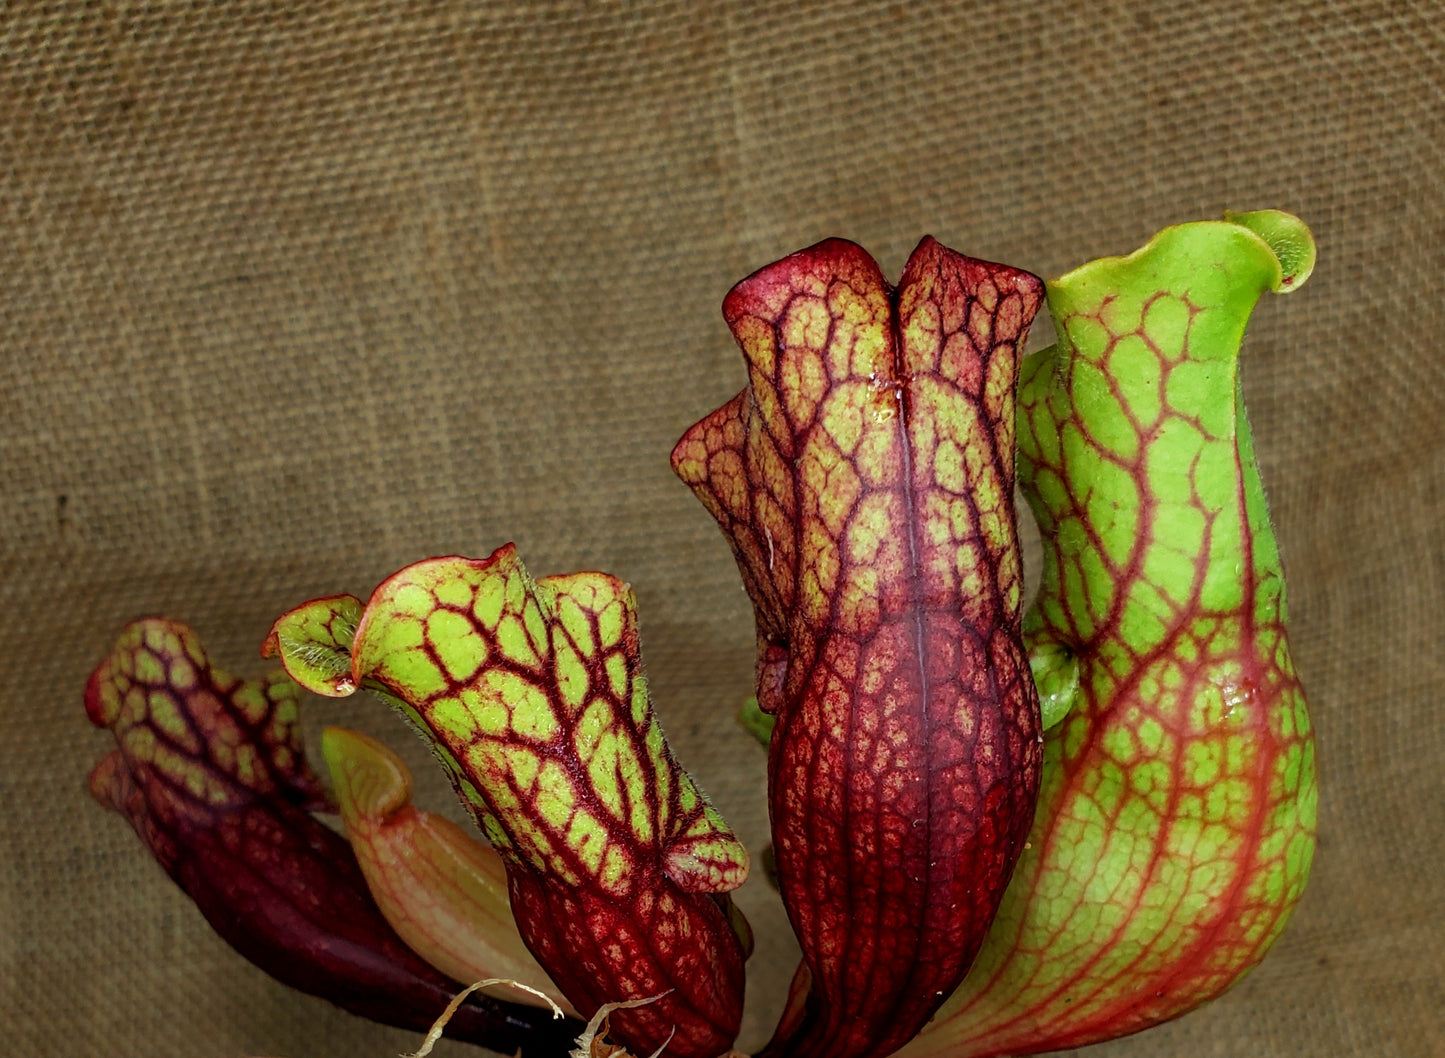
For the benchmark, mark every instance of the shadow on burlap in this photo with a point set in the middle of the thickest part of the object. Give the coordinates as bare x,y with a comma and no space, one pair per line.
291,298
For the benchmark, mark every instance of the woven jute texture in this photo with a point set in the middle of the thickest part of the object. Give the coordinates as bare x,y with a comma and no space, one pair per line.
293,295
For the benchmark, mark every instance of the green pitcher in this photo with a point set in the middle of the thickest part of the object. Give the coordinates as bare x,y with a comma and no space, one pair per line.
1175,824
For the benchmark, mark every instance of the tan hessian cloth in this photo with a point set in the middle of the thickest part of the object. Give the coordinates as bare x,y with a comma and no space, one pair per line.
292,295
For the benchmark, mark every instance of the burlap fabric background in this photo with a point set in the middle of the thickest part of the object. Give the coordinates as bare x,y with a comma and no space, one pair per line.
292,296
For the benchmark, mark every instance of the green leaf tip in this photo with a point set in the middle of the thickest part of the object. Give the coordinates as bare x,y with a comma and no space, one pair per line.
1288,238
757,723
368,779
313,643
1055,670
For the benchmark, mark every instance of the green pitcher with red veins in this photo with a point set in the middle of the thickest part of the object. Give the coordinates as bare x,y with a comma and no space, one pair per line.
1176,817
532,696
